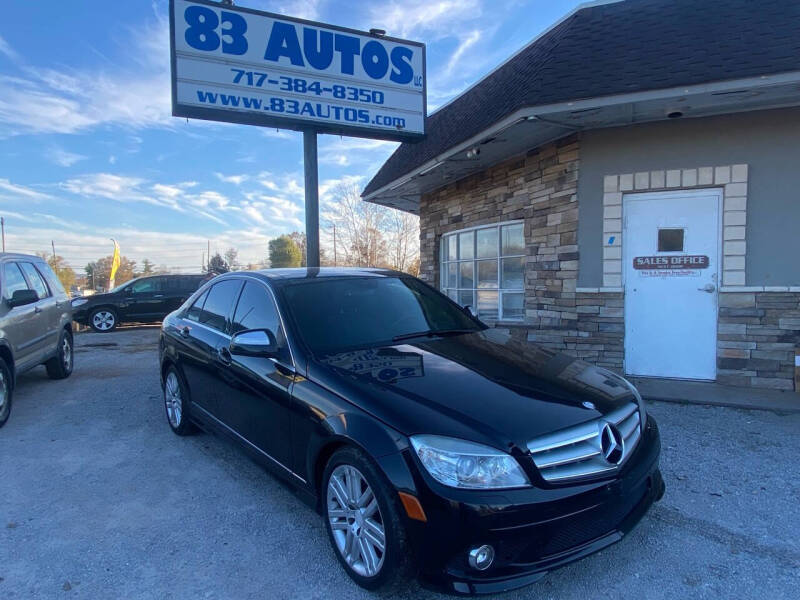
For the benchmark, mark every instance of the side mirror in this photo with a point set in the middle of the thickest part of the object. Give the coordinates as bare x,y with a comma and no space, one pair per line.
254,342
22,297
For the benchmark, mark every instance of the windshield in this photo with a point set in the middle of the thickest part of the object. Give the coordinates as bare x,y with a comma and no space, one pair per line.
333,315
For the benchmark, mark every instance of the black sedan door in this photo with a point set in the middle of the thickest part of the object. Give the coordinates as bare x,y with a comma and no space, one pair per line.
202,336
255,401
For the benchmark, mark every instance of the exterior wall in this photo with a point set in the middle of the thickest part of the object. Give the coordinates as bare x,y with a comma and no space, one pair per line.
568,308
757,337
541,188
767,141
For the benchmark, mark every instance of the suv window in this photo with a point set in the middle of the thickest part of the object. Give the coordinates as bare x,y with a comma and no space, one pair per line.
182,283
35,279
196,309
144,286
219,303
52,281
13,280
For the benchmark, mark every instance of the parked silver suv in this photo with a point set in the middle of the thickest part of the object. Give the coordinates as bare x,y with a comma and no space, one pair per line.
35,323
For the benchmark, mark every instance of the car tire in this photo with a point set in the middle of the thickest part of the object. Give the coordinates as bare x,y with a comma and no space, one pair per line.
346,530
177,403
60,366
103,320
6,392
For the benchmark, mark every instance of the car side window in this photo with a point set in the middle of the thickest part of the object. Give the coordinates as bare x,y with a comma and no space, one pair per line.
36,281
256,310
219,304
13,280
52,280
151,284
196,309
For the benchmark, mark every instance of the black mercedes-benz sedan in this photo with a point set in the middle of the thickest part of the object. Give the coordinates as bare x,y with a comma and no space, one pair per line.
430,443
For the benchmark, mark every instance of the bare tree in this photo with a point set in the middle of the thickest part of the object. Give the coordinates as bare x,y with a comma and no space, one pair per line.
231,256
370,235
402,232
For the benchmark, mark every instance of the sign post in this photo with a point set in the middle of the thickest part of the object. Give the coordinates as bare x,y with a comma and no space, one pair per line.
239,65
312,197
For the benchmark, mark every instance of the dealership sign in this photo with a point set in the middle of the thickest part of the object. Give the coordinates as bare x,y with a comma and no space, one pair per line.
244,66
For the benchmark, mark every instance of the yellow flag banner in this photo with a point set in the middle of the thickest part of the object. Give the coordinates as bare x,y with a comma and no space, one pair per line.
114,265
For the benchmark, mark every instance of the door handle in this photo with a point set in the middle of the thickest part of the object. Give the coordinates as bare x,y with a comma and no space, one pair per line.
224,356
158,296
37,309
708,288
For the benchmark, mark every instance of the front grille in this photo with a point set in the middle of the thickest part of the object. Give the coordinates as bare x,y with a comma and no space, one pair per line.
578,452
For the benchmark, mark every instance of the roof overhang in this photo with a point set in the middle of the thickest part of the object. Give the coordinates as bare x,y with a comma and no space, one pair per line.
535,126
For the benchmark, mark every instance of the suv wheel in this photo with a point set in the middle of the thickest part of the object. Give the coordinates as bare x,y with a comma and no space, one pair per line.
363,520
6,392
60,366
103,320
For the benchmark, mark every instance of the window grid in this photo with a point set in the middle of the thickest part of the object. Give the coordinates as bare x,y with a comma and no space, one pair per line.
473,273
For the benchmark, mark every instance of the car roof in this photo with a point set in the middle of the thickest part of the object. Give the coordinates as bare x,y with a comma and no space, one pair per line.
16,256
286,276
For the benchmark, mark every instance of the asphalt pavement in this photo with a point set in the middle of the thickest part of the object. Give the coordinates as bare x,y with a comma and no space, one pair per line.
99,499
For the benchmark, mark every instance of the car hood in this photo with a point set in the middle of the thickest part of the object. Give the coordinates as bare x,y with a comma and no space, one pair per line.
486,386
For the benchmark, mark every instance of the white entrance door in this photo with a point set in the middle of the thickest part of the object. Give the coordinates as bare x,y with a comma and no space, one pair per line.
671,265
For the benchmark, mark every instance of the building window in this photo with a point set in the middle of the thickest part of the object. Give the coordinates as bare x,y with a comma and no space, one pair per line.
484,267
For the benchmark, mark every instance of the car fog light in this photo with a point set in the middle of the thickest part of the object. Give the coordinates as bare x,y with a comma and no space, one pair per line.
481,557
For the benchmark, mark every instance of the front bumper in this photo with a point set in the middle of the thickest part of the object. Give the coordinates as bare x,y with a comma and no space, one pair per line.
533,530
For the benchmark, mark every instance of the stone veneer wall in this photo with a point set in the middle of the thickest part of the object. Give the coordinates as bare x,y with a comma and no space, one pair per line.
757,336
541,188
758,331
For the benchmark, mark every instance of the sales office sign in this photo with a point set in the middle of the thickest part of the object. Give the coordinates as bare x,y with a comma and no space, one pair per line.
245,66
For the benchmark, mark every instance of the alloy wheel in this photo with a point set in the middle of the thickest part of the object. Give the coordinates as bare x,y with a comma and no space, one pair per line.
3,392
356,522
173,400
66,354
103,320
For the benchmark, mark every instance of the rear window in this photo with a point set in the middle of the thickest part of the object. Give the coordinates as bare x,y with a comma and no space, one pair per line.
53,281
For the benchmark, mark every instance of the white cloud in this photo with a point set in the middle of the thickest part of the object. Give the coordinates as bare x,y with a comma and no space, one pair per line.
7,50
466,43
423,18
64,158
12,191
234,179
69,101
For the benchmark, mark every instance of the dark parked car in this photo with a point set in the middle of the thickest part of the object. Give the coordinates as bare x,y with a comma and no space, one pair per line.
426,439
35,324
141,300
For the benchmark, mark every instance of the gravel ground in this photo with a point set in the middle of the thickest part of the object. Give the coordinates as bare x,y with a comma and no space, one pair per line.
98,499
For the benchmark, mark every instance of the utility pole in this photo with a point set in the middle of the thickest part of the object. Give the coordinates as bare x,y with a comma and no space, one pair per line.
3,228
55,263
202,262
208,254
334,244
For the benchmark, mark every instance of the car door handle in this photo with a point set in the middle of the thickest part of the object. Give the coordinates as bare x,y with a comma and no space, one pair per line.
37,309
224,356
708,288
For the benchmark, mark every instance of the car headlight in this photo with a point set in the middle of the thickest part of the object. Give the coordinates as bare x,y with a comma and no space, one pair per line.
79,302
639,401
462,464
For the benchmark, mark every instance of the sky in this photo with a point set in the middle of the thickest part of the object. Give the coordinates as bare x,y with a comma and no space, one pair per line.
89,150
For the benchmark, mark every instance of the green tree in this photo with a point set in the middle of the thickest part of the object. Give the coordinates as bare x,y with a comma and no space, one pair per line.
284,252
217,265
60,267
